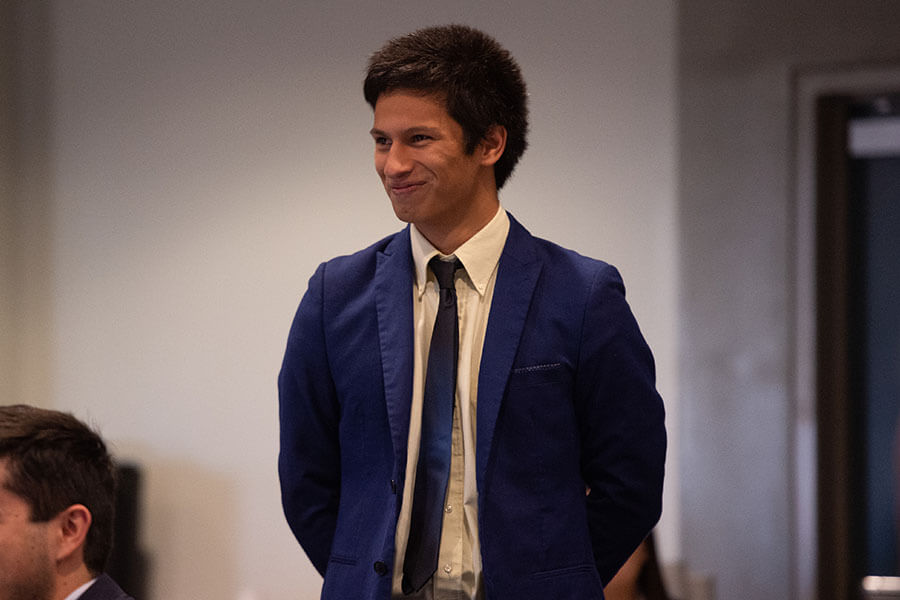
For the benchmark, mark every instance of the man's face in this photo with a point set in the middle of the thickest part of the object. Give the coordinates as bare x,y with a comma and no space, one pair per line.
421,159
26,567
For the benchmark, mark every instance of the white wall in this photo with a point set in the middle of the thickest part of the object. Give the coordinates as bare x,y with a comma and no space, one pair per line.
26,322
207,155
7,179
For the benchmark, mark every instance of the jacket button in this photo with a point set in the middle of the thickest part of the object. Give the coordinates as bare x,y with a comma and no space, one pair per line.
380,568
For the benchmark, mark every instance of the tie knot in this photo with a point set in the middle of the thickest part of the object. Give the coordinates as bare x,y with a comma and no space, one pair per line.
443,271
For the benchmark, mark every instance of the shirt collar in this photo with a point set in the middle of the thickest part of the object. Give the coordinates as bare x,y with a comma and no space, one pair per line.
479,254
81,589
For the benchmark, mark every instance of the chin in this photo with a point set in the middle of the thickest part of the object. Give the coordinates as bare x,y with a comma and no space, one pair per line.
403,212
403,216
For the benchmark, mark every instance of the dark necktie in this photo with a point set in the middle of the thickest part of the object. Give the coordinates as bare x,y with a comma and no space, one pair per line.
433,468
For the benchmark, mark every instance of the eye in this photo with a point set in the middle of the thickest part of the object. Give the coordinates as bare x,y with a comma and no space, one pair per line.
419,137
380,140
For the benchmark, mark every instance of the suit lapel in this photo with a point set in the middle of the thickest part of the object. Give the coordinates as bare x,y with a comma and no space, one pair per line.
517,276
393,304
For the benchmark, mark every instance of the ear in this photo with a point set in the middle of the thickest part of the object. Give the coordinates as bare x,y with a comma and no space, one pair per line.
492,145
70,531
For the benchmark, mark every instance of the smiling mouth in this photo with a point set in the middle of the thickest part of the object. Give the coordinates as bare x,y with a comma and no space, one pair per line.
405,188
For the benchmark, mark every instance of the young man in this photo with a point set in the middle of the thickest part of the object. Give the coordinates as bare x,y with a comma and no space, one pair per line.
56,508
449,394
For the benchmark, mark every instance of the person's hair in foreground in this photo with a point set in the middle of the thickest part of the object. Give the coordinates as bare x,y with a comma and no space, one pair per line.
53,461
479,81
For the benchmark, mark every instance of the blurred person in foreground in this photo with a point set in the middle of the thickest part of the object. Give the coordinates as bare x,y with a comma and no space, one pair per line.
57,495
448,392
640,578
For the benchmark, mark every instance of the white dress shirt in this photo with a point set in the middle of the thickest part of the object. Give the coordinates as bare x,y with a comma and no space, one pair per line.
458,575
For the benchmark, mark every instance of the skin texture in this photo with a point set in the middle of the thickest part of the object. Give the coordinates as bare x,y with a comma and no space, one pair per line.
40,560
26,570
624,586
431,181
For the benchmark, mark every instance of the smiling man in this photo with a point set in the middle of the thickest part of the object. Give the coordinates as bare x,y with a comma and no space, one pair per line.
449,393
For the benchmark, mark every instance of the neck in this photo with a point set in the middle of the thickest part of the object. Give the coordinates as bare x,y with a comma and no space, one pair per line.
448,237
69,579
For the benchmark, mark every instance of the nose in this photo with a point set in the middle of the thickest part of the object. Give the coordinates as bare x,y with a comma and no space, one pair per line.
396,162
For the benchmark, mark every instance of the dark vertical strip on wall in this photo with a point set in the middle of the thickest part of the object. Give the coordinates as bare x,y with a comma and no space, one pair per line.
837,378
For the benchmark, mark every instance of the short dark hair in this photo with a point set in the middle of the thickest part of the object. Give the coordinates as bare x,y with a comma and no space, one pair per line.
54,461
477,78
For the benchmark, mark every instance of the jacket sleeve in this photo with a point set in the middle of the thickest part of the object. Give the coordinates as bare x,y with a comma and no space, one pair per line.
309,459
621,419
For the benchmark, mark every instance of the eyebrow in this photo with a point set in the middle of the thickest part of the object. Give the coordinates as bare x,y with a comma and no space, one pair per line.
434,131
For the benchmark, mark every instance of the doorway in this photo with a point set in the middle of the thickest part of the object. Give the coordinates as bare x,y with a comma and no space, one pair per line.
857,356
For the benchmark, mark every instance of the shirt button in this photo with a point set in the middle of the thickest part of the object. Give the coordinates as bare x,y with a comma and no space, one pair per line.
449,508
448,568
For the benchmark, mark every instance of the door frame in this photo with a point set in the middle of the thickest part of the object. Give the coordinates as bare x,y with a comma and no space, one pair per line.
819,542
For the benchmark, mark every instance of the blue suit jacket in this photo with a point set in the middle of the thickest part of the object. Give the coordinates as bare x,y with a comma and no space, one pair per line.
566,400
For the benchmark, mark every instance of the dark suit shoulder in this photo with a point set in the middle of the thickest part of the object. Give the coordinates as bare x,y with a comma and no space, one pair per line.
346,278
566,265
105,589
361,260
560,255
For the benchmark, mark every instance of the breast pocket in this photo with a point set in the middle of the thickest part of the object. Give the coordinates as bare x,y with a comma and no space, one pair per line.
535,375
540,401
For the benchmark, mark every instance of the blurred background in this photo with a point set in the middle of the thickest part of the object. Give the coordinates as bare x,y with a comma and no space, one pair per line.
173,171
